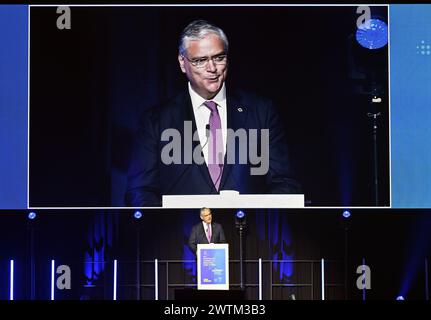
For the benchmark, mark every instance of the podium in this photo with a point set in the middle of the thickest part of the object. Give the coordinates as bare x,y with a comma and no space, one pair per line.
233,199
213,266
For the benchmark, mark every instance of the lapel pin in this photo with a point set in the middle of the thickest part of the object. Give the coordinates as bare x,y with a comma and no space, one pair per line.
239,109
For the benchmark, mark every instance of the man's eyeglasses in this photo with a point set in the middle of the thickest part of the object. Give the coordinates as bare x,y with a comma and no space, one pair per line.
219,59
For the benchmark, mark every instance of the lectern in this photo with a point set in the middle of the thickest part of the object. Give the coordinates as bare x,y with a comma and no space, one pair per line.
213,266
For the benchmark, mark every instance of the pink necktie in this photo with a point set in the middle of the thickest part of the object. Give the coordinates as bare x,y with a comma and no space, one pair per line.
215,154
209,233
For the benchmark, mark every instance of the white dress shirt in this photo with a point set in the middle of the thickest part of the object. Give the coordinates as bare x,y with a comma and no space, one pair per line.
202,116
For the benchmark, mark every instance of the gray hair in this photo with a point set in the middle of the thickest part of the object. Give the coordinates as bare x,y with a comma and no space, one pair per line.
204,209
197,30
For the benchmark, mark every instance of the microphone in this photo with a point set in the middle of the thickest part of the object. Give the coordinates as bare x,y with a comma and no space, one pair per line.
221,171
207,135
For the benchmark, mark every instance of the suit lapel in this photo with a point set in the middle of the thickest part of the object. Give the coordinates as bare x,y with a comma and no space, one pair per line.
212,232
186,114
236,119
203,234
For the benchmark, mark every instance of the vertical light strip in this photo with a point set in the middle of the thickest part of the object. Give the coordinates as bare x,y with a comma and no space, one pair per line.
156,280
260,279
389,105
11,280
52,279
427,297
115,281
28,110
322,270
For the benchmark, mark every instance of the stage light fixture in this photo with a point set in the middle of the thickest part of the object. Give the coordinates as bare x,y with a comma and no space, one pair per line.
137,215
32,215
372,34
240,224
346,214
240,220
400,298
240,214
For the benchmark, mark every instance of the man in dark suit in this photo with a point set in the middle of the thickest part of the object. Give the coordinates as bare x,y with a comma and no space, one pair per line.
206,231
192,144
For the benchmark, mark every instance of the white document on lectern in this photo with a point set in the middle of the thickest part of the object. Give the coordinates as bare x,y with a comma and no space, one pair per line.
213,266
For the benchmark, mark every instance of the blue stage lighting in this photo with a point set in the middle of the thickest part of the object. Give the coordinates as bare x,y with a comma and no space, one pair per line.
400,298
137,214
32,215
346,214
372,35
240,214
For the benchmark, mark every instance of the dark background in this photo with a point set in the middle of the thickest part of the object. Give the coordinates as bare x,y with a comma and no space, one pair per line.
394,244
88,86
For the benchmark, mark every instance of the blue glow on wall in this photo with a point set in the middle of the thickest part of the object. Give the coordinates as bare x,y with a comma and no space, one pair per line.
419,246
190,268
99,244
13,106
280,239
